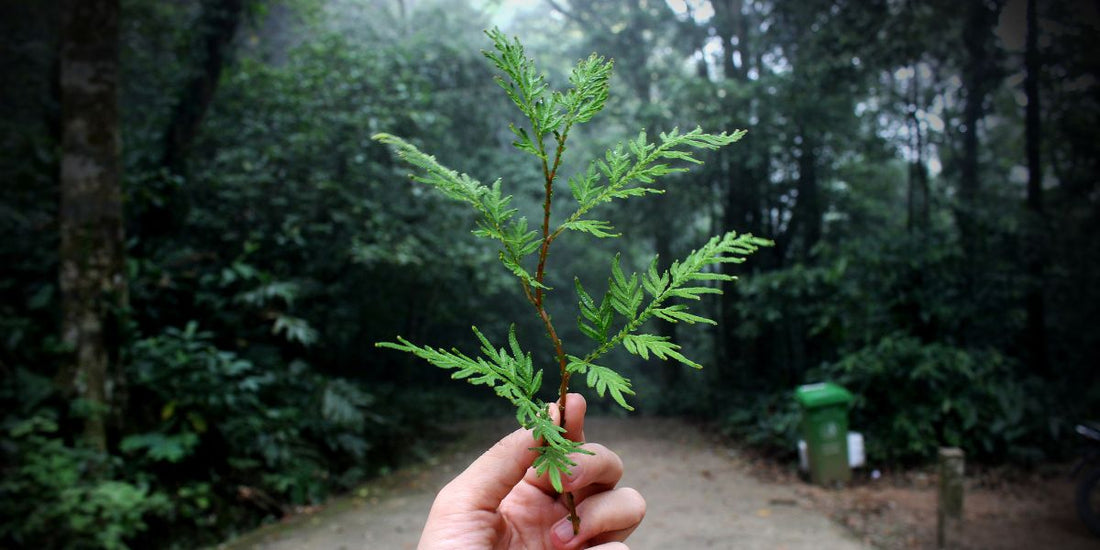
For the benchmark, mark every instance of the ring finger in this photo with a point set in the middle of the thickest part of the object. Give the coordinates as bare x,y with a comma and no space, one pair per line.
605,517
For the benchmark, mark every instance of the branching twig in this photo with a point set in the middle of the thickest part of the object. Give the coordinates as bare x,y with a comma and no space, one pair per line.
549,173
625,171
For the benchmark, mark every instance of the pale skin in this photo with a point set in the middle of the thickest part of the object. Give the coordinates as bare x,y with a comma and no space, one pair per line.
499,503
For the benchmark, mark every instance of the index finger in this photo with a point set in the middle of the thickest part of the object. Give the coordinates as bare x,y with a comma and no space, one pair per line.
575,408
485,483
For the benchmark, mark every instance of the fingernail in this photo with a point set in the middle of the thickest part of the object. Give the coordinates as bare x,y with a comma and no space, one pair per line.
563,530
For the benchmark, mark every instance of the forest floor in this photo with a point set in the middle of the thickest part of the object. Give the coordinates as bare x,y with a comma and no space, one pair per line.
1003,509
704,493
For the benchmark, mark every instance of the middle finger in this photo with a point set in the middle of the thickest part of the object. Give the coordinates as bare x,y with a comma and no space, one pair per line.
593,473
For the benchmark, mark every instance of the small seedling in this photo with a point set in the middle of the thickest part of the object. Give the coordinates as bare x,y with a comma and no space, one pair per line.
626,171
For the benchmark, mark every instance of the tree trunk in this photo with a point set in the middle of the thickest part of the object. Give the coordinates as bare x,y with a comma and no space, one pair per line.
976,80
217,27
1035,337
731,26
808,207
91,277
918,209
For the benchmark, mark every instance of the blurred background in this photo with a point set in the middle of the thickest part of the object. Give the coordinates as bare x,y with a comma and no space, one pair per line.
201,244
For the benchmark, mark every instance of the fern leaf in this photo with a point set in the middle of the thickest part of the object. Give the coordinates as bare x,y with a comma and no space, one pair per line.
596,228
604,379
553,460
457,186
511,262
590,80
629,168
525,143
693,292
524,85
511,375
655,283
644,344
679,281
678,312
585,186
626,294
594,321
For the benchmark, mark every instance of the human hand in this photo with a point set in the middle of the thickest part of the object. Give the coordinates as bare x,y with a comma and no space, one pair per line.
499,502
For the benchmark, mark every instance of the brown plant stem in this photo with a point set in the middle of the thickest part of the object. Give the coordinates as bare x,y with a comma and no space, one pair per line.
550,173
563,390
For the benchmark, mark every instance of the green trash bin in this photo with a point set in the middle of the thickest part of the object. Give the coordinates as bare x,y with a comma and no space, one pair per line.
825,429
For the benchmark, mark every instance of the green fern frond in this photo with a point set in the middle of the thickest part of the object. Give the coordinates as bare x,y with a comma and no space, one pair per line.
524,84
629,169
603,380
511,375
625,293
644,344
594,321
509,371
460,187
591,80
553,459
596,228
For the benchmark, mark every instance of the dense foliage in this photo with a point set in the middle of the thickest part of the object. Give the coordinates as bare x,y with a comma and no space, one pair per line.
934,251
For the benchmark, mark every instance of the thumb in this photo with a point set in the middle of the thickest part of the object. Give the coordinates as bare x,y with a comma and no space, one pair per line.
485,483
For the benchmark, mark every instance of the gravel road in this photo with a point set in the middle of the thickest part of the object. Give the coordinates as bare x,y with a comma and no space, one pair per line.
697,492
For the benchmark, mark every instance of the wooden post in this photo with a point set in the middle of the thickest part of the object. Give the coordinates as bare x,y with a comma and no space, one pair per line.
952,464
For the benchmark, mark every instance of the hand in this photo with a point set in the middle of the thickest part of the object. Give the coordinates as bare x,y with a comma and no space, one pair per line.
499,502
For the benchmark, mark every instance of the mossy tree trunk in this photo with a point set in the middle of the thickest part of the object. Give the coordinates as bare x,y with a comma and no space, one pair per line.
92,278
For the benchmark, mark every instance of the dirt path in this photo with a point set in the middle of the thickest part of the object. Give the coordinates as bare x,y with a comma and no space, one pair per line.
698,496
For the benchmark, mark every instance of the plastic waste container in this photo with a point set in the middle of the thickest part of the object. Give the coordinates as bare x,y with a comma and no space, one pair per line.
825,429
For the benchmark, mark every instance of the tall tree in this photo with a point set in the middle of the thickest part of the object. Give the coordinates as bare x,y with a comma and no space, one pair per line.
1035,339
978,73
917,209
92,278
211,44
217,27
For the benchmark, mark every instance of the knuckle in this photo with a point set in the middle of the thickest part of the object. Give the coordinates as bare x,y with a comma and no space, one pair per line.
634,502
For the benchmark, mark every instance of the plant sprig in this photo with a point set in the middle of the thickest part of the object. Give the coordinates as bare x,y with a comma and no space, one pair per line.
625,171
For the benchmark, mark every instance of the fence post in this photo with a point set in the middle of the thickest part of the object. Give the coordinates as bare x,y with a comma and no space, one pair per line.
952,464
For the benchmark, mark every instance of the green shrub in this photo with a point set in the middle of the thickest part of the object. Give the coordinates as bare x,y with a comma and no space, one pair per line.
273,436
54,495
913,397
284,418
768,421
910,398
217,444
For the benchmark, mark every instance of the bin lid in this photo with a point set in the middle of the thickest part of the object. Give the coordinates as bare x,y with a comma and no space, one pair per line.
812,396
